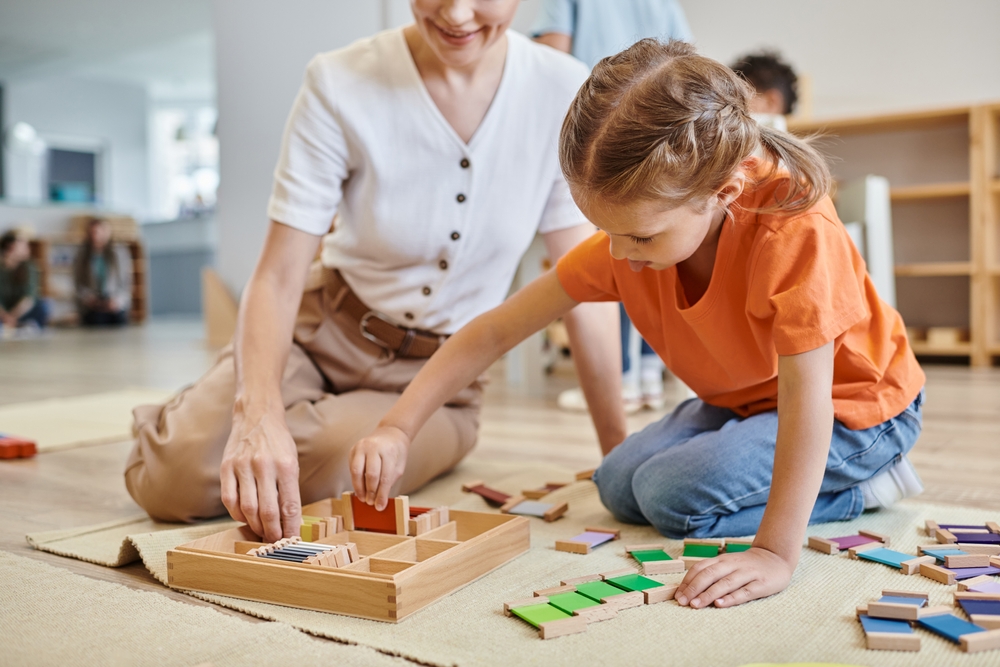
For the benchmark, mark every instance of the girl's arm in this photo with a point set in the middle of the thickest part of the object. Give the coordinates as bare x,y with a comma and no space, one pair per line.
595,336
378,461
260,464
805,427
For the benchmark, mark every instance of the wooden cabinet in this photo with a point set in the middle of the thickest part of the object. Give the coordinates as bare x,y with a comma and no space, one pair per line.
943,169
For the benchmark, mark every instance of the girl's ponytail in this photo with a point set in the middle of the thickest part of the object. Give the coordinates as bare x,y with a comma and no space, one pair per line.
809,175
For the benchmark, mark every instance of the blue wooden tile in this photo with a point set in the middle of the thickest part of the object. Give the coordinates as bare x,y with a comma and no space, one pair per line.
949,626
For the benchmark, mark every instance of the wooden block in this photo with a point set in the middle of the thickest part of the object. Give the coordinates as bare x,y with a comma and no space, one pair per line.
854,551
706,543
402,513
937,573
534,494
895,611
917,595
980,641
469,486
988,549
584,475
912,566
861,609
352,551
491,496
993,526
995,561
545,592
659,594
884,539
556,511
971,595
663,567
347,510
523,602
944,536
988,621
936,610
970,560
629,548
930,527
580,580
569,546
511,503
891,641
341,557
420,525
617,573
601,612
443,514
823,545
597,529
625,600
564,626
971,583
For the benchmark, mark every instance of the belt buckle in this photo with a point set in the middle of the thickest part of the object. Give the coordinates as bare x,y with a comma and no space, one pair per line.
363,328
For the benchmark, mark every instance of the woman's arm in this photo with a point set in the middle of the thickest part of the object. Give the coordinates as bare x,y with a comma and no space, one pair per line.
260,469
595,335
378,461
805,427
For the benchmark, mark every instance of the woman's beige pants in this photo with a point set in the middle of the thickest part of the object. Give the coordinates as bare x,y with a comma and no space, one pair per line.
337,386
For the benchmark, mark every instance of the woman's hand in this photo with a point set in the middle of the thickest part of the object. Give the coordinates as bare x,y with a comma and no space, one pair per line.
260,475
377,463
732,579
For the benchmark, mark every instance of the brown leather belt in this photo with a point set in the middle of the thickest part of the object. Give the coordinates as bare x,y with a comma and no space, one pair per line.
400,341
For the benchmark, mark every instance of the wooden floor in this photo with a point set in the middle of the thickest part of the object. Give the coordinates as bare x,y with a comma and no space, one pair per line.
958,454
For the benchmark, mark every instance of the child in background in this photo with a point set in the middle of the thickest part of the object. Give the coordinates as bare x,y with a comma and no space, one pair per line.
776,86
739,274
103,286
21,302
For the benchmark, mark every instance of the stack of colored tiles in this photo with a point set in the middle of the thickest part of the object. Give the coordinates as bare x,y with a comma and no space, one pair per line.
834,545
315,528
568,608
982,604
987,533
957,564
293,550
425,519
16,448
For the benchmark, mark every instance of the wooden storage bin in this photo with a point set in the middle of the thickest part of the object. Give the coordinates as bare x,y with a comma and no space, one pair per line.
943,169
395,576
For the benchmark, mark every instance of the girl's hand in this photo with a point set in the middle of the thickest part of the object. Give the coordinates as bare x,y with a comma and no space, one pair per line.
732,579
377,462
260,475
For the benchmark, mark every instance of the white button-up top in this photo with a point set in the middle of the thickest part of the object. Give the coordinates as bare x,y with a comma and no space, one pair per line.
430,229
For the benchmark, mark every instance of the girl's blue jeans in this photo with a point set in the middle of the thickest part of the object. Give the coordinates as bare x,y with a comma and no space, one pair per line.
703,471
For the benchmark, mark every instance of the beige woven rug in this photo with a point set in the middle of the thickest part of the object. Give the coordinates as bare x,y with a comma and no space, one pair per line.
812,621
49,616
62,423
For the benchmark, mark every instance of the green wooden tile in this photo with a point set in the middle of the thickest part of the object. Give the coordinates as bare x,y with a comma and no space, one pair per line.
633,582
736,548
701,550
595,590
539,613
570,602
646,556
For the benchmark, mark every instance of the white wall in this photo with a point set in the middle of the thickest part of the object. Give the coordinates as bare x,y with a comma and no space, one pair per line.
112,113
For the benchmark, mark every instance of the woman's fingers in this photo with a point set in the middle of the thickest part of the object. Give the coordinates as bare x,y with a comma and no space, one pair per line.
357,467
267,499
373,473
248,498
231,491
290,498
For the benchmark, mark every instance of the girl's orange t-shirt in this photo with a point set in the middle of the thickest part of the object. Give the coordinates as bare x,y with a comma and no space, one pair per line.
781,285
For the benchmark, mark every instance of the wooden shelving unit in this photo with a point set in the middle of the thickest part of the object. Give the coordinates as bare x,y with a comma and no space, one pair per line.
943,166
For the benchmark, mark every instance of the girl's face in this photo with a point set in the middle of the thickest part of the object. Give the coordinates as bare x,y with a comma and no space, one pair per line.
646,234
459,32
18,251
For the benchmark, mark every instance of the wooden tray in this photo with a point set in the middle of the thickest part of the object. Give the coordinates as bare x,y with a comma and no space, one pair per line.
396,575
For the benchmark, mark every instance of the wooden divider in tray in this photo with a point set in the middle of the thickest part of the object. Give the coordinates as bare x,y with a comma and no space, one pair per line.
395,576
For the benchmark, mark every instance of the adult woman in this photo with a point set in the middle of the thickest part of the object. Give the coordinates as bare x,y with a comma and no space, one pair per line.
103,285
435,145
20,298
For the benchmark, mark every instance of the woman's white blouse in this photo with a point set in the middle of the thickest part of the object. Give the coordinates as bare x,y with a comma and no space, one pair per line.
430,229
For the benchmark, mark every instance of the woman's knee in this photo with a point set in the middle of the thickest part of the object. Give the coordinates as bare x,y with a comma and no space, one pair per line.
172,495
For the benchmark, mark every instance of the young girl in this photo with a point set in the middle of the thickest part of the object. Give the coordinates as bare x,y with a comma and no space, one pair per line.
739,274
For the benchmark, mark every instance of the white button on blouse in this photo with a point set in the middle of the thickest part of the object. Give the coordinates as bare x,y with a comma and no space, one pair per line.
430,229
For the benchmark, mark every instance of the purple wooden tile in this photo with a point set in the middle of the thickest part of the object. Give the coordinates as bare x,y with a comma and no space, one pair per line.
988,607
986,587
977,538
852,541
970,572
593,538
954,527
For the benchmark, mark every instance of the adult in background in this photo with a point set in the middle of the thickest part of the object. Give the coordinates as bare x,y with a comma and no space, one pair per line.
103,283
21,302
436,147
775,84
592,30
